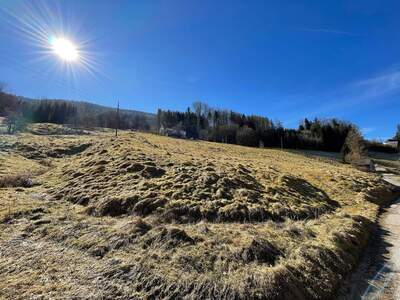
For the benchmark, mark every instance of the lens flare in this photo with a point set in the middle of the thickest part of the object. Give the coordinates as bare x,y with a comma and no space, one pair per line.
64,48
48,31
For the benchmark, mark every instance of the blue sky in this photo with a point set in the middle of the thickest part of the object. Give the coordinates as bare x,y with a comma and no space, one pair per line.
282,59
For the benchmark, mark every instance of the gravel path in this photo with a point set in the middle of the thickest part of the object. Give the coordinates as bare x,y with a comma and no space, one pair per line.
378,276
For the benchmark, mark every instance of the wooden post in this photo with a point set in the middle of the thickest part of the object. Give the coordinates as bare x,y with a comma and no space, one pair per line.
117,121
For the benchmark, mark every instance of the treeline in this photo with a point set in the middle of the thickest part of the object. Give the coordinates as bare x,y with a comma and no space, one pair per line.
226,126
377,146
81,115
78,114
198,122
9,104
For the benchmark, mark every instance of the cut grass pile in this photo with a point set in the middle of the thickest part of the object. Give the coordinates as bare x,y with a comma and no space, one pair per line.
144,216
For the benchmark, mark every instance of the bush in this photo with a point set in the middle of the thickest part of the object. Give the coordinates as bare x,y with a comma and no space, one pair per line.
15,181
15,123
354,149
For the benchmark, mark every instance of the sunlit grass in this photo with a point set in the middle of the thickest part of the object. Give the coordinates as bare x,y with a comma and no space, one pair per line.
298,256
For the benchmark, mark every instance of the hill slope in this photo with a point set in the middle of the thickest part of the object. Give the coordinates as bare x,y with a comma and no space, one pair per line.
76,112
144,216
93,106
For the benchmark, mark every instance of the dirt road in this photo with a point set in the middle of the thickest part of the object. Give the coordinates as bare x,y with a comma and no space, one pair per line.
378,276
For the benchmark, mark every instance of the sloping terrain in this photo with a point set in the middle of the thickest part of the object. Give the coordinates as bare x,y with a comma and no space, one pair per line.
144,216
96,108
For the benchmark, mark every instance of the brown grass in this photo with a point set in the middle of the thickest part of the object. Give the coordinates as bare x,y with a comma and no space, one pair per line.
144,216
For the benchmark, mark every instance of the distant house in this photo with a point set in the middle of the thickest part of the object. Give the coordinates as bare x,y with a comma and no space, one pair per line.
177,133
393,142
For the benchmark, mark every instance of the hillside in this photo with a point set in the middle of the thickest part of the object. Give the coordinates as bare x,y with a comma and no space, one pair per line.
145,216
81,113
96,108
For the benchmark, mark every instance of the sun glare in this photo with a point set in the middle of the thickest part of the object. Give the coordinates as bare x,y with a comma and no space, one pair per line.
64,48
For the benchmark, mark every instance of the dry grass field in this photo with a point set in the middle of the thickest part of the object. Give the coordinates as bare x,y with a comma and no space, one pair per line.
91,216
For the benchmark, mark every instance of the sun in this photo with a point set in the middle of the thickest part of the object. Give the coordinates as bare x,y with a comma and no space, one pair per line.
64,48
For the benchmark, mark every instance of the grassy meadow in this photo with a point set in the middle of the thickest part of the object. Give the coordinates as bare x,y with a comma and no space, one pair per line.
86,215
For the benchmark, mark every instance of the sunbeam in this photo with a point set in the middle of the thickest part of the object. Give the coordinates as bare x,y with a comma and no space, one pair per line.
50,31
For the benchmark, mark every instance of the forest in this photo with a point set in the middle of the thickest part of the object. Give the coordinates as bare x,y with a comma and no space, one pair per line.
225,126
77,114
199,122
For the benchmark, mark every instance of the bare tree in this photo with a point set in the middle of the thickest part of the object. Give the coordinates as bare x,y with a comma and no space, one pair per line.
15,122
197,109
201,109
3,86
397,136
117,121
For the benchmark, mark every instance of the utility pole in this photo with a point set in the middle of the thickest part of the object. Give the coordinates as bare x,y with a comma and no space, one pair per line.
117,121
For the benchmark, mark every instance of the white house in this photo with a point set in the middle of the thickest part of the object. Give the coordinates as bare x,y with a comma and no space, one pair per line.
392,142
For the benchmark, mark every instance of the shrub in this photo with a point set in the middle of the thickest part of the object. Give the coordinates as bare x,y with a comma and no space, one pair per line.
354,149
15,123
15,181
